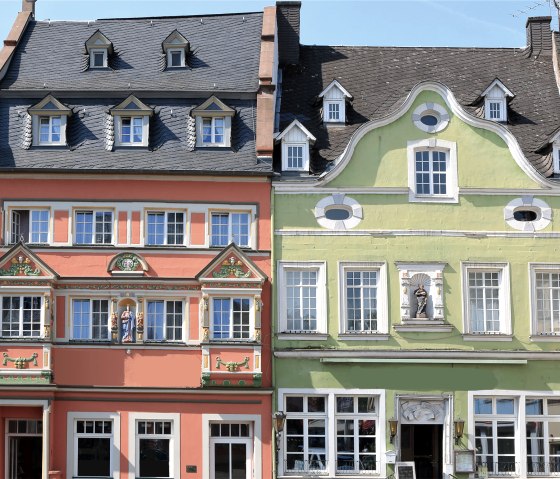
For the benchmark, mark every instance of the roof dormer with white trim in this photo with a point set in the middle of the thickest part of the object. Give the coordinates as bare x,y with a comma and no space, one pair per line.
99,47
334,103
176,47
296,141
48,121
555,142
496,97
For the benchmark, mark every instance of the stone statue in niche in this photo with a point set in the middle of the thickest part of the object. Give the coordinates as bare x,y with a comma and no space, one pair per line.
421,302
128,325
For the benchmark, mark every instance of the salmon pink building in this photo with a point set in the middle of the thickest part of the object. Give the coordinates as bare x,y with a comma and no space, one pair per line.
135,164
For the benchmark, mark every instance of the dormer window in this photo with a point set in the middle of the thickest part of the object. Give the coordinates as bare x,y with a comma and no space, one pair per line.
49,122
176,47
495,101
213,123
98,47
334,103
132,122
555,141
295,140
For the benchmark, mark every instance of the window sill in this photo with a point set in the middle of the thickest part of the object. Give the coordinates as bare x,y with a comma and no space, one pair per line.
90,341
302,336
25,339
487,337
414,198
364,336
231,341
545,338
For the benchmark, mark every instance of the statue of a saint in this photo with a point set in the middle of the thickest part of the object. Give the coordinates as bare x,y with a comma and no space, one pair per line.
128,325
421,301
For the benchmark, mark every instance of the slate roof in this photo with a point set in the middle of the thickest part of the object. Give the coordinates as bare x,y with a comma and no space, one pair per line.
168,149
380,78
225,51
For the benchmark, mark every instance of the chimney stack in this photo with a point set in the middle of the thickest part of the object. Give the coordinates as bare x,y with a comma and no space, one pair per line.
539,35
28,6
287,19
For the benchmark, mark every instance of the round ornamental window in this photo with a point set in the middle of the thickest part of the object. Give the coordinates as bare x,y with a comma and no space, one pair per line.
527,214
338,212
430,117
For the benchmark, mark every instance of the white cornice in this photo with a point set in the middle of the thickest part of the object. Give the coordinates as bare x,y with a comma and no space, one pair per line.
458,110
446,233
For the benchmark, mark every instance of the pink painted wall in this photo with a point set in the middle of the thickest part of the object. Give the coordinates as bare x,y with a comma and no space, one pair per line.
198,232
122,229
61,226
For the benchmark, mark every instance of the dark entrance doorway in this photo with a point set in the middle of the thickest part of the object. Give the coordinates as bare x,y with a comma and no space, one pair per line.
422,443
25,457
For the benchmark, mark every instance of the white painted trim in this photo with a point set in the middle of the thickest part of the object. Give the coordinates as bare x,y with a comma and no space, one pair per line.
304,155
501,86
539,207
170,51
296,124
445,233
240,294
92,53
462,114
71,417
488,109
432,109
321,268
134,114
335,84
341,111
257,440
382,295
504,295
345,202
535,267
174,447
433,144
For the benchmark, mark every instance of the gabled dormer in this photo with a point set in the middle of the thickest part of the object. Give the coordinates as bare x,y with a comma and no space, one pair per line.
132,122
48,119
496,98
176,47
296,141
334,103
213,123
555,142
99,47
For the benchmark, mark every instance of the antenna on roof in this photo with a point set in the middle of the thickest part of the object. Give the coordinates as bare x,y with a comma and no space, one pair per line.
151,23
201,22
243,19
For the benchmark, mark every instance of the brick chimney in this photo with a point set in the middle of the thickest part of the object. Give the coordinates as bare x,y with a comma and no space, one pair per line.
28,6
539,35
287,18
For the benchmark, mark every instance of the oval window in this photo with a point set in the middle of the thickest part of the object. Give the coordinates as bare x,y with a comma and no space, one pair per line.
525,215
429,120
337,214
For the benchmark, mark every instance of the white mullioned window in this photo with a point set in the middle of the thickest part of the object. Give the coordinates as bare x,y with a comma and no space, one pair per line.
486,299
154,446
495,110
22,316
302,297
165,228
94,227
98,58
431,172
213,131
164,320
50,130
132,130
90,319
545,281
232,318
32,226
542,418
176,58
231,450
228,227
93,448
295,156
333,113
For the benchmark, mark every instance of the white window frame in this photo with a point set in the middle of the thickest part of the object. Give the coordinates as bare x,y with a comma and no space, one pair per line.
257,439
330,432
36,122
556,156
250,216
72,440
251,318
30,211
433,144
29,294
341,111
165,224
213,141
184,305
305,158
534,269
145,130
170,57
488,108
321,300
90,299
382,294
505,331
93,211
246,440
174,445
92,54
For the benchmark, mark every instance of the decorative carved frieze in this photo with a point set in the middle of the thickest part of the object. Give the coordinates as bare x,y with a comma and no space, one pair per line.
232,268
232,366
20,363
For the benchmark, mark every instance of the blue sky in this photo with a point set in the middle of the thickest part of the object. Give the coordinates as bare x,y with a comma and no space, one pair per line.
481,23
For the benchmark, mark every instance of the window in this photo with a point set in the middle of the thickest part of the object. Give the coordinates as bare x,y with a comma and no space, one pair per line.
334,102
49,129
295,157
361,300
32,226
309,434
495,110
231,318
302,298
90,319
213,131
176,58
131,130
94,227
333,113
93,443
166,228
495,101
230,450
528,214
48,118
21,316
230,227
98,58
495,438
545,281
164,320
296,141
432,171
543,436
131,120
430,117
154,448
